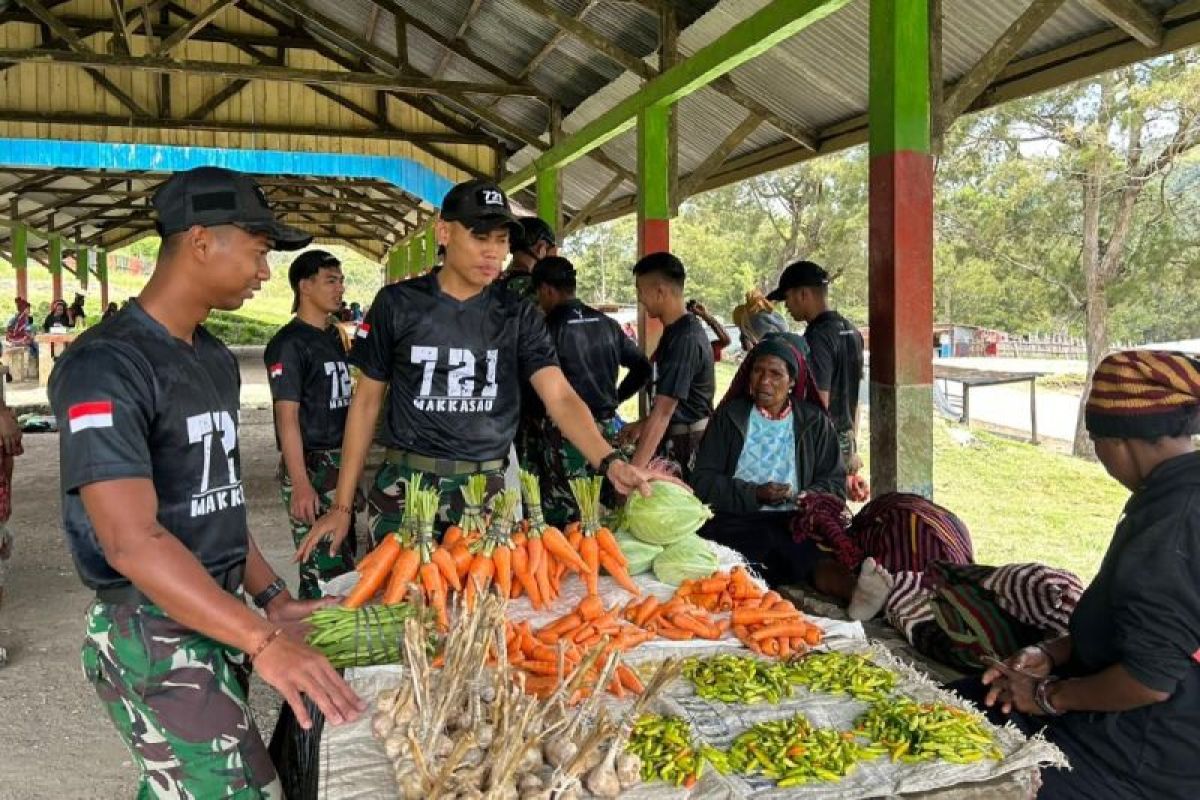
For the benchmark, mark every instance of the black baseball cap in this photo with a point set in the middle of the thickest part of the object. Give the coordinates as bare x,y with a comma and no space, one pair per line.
801,273
211,196
480,205
533,230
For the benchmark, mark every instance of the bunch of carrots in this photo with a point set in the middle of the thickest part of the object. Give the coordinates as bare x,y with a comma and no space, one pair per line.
674,619
408,557
763,621
492,554
594,542
557,649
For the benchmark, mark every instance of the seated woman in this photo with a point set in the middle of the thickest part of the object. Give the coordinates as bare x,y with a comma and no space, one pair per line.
764,446
58,316
1120,693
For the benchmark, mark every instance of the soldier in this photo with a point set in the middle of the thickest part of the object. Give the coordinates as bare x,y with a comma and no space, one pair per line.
451,350
532,240
310,387
591,350
155,516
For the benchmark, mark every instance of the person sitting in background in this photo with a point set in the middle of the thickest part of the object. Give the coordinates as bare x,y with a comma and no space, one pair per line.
19,331
1120,693
765,445
76,312
722,341
108,312
58,316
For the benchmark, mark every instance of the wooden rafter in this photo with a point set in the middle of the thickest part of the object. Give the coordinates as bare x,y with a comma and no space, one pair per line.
217,99
56,25
1002,51
1132,17
580,219
717,157
447,53
120,24
193,26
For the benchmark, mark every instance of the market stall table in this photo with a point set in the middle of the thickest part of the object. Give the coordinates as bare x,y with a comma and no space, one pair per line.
47,352
980,378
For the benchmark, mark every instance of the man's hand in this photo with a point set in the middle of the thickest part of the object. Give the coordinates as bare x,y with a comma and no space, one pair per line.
292,615
699,310
626,478
854,464
630,433
10,431
1013,688
773,494
333,526
305,503
295,669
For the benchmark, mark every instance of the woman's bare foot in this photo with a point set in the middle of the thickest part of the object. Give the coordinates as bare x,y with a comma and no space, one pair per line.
871,591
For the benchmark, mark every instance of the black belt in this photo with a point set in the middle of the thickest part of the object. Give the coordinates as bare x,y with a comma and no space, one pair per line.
442,467
681,428
128,595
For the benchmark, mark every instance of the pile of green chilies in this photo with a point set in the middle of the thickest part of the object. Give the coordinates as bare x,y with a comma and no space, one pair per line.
843,673
913,732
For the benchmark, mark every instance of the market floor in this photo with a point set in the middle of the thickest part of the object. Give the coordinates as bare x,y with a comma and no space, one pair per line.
55,741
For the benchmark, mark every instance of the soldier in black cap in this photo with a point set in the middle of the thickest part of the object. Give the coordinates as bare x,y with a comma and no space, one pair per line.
835,350
591,350
530,243
310,389
451,350
155,514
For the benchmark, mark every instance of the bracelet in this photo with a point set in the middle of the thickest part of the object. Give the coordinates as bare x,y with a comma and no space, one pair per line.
272,636
263,598
341,508
1049,656
1041,696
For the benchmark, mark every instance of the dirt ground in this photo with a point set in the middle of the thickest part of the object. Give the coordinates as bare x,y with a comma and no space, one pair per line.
55,740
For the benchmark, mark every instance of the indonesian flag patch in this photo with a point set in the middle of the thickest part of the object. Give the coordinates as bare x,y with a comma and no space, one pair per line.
276,370
363,330
93,414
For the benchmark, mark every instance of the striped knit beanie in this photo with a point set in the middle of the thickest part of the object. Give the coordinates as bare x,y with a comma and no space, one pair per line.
1144,394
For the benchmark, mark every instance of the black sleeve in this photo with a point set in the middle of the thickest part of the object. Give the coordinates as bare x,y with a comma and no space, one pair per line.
535,349
46,325
1156,604
822,346
678,367
287,362
375,339
716,461
104,404
634,360
828,468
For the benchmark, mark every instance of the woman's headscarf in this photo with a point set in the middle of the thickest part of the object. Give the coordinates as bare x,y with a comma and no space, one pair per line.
1144,394
805,388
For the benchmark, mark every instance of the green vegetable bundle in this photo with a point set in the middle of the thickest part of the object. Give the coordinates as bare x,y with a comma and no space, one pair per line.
738,679
670,513
640,554
689,558
360,637
793,752
914,731
842,673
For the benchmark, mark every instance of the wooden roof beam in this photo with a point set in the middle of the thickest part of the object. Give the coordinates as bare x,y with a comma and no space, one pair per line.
56,25
468,18
1002,51
580,219
1132,17
718,157
191,28
122,38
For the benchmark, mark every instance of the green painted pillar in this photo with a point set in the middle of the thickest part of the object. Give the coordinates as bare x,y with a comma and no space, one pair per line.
396,263
654,204
418,253
901,248
431,246
549,198
102,276
55,265
20,258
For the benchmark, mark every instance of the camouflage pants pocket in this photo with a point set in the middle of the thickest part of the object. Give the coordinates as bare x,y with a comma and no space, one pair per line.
178,700
322,566
385,502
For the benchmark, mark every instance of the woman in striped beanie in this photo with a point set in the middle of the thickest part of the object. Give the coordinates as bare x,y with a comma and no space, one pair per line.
1120,693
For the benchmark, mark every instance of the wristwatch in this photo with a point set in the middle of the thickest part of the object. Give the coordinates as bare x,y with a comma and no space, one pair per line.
264,598
608,461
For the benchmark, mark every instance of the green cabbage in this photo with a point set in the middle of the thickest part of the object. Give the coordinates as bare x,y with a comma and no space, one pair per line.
667,515
688,559
640,554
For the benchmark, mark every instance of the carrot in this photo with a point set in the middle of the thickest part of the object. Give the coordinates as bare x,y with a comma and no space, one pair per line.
435,591
541,667
445,562
590,551
813,635
502,557
678,634
536,550
646,611
402,575
558,546
608,544
771,647
370,582
479,576
712,585
564,623
778,629
702,629
460,551
590,608
453,534
525,578
754,616
616,570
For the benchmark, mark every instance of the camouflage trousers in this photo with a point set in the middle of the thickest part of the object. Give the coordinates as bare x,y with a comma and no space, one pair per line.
322,467
385,501
178,699
556,462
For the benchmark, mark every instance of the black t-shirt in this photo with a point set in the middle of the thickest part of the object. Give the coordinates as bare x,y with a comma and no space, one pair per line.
592,348
1143,611
132,401
307,365
836,358
683,369
455,369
